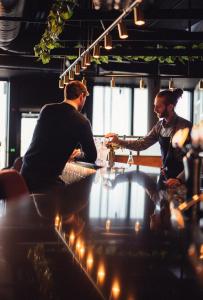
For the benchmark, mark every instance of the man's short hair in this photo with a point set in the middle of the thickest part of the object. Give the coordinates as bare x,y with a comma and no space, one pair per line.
74,89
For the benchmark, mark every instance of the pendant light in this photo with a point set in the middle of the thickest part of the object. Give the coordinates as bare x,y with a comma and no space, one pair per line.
201,85
96,51
66,79
71,74
87,59
112,82
138,16
61,83
83,65
122,30
171,84
142,83
108,42
77,69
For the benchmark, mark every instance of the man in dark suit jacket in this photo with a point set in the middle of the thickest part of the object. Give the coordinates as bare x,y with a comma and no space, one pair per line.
60,128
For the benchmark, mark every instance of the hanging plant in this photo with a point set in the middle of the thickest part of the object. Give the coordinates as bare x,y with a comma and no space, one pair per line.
160,59
164,59
61,11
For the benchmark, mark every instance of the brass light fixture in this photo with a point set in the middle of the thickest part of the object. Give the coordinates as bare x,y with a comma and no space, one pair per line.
83,65
71,74
61,83
201,85
88,59
77,69
142,83
171,84
108,42
96,51
122,33
112,82
122,30
66,79
138,16
84,81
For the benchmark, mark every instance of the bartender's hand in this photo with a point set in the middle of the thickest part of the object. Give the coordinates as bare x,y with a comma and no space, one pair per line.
75,154
172,182
113,136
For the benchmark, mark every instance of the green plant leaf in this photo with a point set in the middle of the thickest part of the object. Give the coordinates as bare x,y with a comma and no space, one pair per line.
170,60
61,11
179,47
71,57
118,58
45,57
66,14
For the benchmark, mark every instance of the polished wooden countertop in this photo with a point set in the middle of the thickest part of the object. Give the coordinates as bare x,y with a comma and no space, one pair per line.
115,230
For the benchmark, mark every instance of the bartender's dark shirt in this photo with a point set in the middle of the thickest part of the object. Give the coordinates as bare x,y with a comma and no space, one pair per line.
60,128
161,129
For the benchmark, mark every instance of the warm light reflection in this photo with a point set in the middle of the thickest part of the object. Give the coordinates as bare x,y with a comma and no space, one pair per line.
78,245
71,238
115,291
82,251
137,226
108,225
201,252
191,250
57,221
101,274
89,261
180,137
195,198
182,205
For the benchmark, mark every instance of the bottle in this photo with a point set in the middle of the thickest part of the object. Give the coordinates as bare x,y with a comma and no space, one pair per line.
130,159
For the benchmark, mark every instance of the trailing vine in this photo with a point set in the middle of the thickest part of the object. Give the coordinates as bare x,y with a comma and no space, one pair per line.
160,59
61,11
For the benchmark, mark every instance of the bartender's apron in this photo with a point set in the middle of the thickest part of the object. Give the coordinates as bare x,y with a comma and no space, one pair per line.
171,166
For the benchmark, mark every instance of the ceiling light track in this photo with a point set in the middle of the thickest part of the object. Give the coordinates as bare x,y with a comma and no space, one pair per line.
111,27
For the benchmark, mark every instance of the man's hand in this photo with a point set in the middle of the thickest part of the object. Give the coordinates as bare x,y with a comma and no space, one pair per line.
113,136
75,154
172,182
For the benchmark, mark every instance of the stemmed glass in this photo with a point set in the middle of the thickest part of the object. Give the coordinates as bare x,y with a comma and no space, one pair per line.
130,160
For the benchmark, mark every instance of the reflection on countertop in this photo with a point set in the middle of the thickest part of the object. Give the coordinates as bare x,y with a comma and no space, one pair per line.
128,235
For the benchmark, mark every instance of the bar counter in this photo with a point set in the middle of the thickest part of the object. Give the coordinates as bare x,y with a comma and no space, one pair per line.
113,233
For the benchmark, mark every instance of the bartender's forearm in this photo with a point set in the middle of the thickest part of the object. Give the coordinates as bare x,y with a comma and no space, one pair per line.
129,144
136,145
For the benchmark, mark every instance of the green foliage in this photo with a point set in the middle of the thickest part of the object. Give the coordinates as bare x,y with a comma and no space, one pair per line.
163,59
61,11
71,57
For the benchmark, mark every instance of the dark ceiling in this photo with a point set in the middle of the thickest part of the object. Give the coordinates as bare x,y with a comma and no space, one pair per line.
168,23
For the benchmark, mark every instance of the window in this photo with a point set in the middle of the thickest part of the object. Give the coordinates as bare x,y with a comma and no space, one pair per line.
28,123
112,110
140,113
183,107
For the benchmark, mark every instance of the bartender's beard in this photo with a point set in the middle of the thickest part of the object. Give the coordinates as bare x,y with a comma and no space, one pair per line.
164,114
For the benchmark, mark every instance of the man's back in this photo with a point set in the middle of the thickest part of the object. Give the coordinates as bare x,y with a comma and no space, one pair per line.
59,129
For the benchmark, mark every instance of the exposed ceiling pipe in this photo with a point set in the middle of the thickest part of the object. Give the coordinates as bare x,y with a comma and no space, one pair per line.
9,29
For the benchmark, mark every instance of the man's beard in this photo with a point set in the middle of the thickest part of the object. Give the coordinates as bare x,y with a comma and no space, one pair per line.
164,114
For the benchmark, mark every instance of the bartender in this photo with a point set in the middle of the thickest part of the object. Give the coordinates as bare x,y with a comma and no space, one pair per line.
169,122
